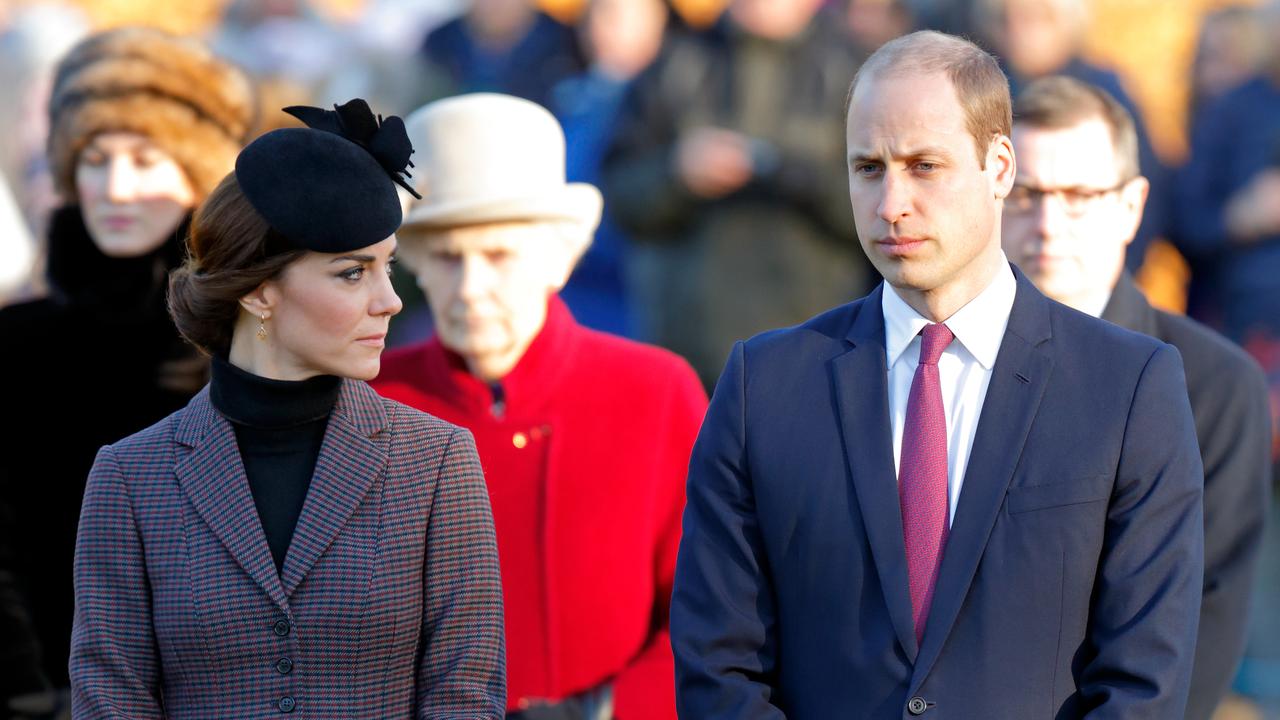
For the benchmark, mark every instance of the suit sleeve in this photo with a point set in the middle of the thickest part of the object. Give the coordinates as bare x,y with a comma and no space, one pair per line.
114,661
462,669
723,620
645,689
1237,486
1147,597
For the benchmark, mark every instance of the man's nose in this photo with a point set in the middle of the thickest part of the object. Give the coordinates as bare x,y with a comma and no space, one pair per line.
895,199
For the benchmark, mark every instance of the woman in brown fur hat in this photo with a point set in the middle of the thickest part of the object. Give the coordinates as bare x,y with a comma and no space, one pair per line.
143,125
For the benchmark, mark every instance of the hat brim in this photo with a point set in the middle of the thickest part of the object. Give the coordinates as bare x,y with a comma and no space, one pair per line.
576,202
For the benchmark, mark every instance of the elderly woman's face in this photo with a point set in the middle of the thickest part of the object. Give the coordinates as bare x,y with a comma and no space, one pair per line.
488,287
329,313
132,194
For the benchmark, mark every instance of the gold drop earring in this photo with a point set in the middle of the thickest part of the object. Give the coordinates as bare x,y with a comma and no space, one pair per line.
262,327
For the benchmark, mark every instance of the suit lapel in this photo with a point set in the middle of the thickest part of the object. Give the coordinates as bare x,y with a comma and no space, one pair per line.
213,478
861,382
1017,384
351,458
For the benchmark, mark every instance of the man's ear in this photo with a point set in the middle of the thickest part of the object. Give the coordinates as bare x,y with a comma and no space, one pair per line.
569,243
1002,165
1134,198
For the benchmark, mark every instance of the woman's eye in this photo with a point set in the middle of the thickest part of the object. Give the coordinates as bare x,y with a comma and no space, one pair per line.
353,274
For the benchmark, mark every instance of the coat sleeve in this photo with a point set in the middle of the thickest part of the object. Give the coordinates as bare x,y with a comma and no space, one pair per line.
645,689
462,667
723,619
1236,444
114,661
1147,594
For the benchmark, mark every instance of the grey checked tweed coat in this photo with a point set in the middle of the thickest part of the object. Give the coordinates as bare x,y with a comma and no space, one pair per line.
389,604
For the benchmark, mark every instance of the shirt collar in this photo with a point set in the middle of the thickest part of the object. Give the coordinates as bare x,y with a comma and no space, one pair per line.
979,325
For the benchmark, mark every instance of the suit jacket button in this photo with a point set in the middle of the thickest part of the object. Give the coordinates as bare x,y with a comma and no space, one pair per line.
917,705
284,666
281,628
286,704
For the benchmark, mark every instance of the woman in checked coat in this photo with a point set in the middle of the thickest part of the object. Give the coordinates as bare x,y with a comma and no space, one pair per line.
290,542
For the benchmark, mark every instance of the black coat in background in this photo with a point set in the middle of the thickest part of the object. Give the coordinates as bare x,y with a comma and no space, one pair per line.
82,368
1229,402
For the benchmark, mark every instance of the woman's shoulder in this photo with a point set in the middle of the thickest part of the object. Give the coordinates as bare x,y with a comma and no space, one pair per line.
149,441
409,420
400,419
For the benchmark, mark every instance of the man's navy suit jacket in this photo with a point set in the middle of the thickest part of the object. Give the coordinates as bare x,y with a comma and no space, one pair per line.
1070,584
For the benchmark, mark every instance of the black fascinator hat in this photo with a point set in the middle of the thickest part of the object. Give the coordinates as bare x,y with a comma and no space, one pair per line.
330,186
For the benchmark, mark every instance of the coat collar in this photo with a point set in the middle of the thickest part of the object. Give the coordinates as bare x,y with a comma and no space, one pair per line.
534,381
1021,371
352,456
1129,308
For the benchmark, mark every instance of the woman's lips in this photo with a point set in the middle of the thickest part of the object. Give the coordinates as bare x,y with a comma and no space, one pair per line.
376,341
119,222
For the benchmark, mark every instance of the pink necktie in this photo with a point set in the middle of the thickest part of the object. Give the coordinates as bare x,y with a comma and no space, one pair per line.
922,474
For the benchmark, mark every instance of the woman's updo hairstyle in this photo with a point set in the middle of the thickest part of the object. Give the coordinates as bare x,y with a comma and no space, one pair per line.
232,251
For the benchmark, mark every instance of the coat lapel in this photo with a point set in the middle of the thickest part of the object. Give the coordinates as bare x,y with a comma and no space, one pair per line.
861,382
351,457
1018,381
212,475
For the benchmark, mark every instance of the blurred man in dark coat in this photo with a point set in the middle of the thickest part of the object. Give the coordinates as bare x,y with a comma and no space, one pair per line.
1075,205
726,169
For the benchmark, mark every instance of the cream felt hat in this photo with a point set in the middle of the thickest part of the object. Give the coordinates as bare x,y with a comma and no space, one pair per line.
485,158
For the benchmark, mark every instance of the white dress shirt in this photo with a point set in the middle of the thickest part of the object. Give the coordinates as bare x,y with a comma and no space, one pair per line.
964,369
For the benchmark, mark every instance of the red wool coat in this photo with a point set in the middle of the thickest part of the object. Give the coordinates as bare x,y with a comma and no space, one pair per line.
585,460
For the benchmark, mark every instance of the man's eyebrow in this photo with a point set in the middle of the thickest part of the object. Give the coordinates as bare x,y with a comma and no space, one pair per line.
935,150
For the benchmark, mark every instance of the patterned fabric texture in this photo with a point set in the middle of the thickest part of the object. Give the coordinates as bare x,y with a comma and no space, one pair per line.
389,604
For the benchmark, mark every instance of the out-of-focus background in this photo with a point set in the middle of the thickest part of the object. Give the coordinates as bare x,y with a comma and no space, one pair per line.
710,236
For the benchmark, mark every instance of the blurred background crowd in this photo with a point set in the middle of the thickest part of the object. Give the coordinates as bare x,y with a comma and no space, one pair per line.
715,130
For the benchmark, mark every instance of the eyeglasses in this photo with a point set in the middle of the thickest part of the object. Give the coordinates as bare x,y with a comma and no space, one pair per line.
1075,201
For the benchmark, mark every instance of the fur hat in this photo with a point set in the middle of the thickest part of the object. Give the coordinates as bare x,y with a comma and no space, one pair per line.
193,105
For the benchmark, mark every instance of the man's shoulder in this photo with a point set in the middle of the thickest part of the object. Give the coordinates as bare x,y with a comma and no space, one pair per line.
1082,339
815,338
1209,359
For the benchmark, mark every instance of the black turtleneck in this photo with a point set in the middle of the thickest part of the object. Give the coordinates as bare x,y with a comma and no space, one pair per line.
279,428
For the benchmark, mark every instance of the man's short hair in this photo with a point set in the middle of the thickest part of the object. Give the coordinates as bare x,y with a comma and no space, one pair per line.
1059,102
980,85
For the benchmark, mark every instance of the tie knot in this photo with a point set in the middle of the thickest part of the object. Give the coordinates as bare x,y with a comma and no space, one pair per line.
933,340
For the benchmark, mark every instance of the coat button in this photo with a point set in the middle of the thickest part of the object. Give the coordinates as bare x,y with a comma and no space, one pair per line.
286,704
917,705
520,440
284,666
281,628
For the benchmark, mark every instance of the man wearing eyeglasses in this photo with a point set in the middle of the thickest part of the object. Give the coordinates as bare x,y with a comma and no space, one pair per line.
1075,205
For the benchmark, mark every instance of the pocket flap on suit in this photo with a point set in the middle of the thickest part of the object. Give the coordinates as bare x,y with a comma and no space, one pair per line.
1025,498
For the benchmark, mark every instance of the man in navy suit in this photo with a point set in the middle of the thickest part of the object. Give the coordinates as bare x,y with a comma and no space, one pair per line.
1075,203
952,498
